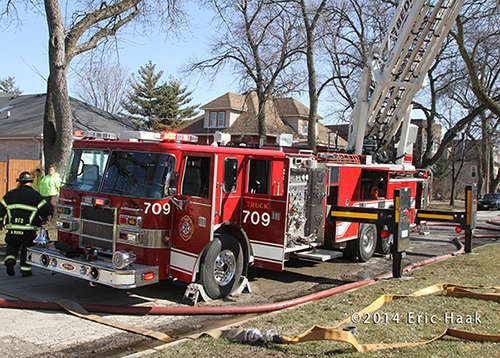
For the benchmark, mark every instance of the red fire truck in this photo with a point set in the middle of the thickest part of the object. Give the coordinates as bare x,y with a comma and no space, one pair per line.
151,206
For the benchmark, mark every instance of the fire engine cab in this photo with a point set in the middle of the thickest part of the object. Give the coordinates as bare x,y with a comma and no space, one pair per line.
150,207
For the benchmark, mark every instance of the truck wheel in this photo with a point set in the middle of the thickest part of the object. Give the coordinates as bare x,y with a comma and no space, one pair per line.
364,247
221,266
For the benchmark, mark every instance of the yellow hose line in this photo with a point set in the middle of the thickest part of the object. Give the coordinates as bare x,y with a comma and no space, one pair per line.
318,333
77,310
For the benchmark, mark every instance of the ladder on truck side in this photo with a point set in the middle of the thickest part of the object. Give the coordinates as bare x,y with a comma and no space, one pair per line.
397,70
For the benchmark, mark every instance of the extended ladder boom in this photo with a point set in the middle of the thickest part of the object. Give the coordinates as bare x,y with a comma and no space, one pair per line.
397,70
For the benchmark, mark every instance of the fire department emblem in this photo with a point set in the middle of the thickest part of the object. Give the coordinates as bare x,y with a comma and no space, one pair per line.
186,227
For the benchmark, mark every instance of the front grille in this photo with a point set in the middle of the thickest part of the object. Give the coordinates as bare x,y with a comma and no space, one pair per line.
97,227
98,213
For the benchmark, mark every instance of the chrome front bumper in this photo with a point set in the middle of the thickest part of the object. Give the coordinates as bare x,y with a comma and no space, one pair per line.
98,271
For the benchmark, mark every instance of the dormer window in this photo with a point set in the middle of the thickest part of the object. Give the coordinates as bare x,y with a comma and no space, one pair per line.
217,119
305,125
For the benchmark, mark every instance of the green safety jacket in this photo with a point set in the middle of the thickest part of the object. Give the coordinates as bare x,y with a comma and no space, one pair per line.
23,209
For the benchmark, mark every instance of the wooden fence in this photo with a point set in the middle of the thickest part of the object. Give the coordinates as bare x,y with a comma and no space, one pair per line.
10,171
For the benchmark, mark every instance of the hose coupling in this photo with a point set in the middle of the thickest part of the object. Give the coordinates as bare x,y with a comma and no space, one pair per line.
256,336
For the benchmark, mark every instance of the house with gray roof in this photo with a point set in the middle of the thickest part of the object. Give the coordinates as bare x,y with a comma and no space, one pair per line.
236,114
21,131
21,124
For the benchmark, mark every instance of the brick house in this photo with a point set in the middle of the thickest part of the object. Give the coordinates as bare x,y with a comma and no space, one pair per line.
236,114
21,131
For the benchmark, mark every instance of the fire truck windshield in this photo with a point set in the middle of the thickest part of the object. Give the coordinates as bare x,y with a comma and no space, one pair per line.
129,173
86,168
138,174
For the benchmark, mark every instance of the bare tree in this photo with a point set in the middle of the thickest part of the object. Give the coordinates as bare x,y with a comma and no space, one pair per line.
477,39
258,39
103,84
361,26
352,29
92,24
472,83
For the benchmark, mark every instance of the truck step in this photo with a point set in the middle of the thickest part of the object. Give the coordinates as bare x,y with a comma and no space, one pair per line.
319,254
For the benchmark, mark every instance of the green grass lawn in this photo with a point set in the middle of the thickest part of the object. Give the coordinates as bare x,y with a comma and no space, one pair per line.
396,321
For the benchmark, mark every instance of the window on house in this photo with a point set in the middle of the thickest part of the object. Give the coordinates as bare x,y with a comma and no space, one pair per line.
473,171
304,127
435,145
213,119
217,119
221,119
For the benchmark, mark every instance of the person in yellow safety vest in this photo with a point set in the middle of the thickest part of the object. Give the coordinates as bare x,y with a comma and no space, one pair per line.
37,179
22,212
49,188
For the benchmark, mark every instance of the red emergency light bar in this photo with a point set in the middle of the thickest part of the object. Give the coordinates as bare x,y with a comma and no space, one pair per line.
179,137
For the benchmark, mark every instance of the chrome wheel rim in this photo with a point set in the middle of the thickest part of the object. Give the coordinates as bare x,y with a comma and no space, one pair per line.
368,240
224,267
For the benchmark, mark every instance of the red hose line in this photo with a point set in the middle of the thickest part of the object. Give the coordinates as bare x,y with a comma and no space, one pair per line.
190,310
186,310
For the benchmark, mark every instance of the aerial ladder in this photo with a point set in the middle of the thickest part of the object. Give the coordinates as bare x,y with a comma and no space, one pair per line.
395,72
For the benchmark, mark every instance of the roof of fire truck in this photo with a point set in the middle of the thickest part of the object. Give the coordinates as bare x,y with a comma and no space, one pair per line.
154,142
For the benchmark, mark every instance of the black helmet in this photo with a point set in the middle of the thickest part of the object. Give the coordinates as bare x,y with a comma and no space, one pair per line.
25,177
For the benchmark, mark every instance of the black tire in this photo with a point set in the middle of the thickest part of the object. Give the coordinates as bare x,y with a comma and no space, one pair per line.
364,246
383,245
221,266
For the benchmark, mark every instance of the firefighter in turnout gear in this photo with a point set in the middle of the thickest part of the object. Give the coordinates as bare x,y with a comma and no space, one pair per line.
22,212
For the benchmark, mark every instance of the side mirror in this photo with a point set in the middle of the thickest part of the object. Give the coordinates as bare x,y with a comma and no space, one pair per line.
171,183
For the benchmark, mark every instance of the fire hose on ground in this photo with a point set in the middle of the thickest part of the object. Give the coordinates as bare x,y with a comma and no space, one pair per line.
254,335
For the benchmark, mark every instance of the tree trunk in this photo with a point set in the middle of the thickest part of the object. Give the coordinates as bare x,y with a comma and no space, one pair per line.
313,94
57,119
261,114
310,26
